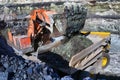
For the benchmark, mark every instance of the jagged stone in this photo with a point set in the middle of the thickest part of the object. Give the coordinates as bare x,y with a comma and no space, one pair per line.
72,19
25,70
3,75
73,46
66,78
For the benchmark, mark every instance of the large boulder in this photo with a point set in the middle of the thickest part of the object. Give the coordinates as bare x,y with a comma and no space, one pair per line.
73,46
71,19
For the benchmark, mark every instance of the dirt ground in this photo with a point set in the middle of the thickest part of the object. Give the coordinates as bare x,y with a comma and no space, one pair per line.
114,66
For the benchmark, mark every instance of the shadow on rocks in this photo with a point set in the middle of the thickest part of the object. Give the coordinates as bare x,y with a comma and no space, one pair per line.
55,61
5,49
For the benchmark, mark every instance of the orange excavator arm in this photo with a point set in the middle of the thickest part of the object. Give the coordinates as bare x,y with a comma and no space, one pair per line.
40,26
43,16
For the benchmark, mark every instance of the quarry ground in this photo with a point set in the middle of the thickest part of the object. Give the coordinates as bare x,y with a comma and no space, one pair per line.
114,66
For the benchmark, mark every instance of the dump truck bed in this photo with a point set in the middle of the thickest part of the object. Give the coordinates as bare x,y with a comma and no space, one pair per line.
92,54
88,57
98,36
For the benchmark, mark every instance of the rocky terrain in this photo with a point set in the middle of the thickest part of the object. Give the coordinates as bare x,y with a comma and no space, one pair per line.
115,40
113,26
12,65
114,67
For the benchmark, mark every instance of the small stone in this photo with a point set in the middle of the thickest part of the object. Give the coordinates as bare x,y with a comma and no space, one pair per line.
25,76
17,79
30,70
5,65
47,77
67,78
10,69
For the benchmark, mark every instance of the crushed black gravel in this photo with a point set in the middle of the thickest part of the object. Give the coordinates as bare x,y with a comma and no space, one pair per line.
26,70
21,69
54,59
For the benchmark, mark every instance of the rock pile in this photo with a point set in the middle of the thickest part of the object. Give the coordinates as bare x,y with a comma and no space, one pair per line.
21,69
26,70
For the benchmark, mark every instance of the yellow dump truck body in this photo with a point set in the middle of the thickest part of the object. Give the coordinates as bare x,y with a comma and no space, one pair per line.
94,53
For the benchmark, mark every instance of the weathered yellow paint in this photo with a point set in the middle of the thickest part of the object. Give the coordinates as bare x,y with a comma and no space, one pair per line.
100,34
104,61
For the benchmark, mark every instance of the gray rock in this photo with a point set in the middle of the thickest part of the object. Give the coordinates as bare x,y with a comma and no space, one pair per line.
6,65
10,68
30,70
47,77
73,46
3,75
66,78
